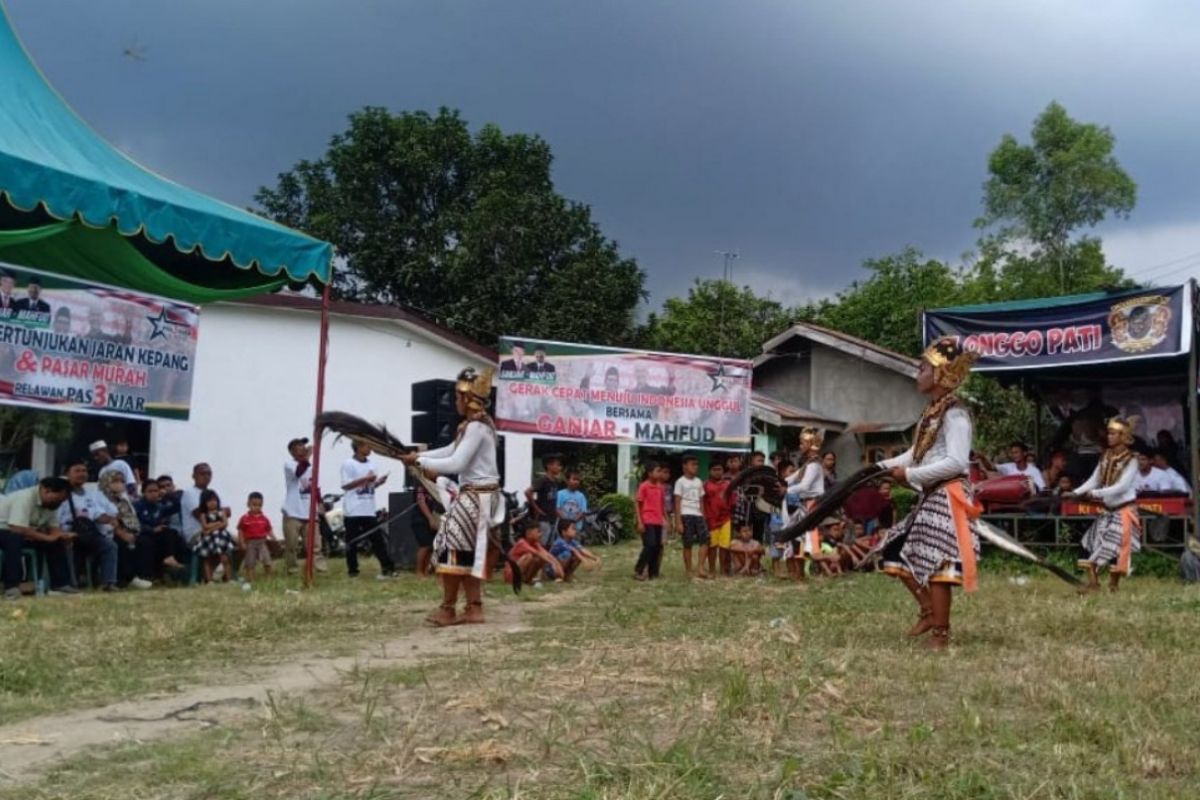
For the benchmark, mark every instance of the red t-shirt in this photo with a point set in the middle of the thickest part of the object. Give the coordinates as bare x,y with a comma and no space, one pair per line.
255,526
522,548
716,510
650,502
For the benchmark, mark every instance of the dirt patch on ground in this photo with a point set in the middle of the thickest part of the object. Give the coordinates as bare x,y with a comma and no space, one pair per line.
32,745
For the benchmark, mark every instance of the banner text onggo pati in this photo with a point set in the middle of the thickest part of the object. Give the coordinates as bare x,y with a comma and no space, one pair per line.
74,346
597,394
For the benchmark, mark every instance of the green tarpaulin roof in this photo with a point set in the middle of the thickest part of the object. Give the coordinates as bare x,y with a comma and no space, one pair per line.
1028,305
148,232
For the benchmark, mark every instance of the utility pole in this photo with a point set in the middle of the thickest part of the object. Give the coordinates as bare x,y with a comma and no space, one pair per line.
729,257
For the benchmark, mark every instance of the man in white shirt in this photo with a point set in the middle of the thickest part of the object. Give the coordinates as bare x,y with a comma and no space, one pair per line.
1021,465
359,482
1149,478
689,515
100,452
87,502
1172,480
297,497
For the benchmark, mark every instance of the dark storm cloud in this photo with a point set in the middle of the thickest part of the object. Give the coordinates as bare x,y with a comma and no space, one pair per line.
808,135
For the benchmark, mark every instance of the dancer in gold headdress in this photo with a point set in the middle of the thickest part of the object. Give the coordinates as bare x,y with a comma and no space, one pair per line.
461,545
934,547
1117,533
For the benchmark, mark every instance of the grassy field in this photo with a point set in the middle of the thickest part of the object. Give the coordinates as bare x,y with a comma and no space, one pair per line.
733,689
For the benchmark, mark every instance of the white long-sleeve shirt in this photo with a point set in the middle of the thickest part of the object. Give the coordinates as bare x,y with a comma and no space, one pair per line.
807,483
1174,482
1153,481
472,457
1031,471
1122,491
948,457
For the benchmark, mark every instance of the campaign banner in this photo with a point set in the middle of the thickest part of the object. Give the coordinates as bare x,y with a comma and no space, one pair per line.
68,345
582,393
1135,323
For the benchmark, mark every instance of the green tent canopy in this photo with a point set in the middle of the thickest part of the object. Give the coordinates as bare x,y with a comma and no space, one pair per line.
72,204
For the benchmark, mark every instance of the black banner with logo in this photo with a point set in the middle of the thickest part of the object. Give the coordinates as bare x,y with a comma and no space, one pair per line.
1131,324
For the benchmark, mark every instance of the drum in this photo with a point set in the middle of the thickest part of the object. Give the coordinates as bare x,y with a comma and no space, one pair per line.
1006,490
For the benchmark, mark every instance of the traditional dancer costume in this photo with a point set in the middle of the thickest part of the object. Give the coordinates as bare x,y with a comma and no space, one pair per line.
1117,533
809,483
934,547
461,544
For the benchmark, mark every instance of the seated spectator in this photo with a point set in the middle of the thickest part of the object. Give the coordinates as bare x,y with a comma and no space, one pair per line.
529,555
1173,453
1173,481
1056,470
1065,486
827,560
90,516
569,553
106,464
159,546
1149,478
1022,465
125,528
214,544
29,519
746,553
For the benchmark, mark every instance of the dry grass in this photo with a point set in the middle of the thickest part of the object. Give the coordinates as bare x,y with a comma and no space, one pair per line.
61,653
733,690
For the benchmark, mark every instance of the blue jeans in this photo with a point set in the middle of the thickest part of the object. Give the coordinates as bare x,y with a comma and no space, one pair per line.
103,549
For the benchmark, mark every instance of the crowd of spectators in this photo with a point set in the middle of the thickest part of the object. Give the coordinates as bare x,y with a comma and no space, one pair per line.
62,534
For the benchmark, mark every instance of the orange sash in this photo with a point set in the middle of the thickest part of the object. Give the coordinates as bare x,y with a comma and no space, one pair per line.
1129,521
963,511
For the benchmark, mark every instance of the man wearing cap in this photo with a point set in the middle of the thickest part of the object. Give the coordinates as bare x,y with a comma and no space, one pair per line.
297,497
105,461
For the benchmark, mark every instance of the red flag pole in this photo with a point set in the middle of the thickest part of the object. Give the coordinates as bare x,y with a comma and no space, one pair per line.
315,493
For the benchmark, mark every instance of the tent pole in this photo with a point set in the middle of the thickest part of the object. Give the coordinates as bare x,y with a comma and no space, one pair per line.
315,494
1193,435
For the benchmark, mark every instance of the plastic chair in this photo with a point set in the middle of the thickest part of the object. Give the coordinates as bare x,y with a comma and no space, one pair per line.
31,560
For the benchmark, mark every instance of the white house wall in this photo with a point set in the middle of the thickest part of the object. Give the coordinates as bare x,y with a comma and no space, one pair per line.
255,388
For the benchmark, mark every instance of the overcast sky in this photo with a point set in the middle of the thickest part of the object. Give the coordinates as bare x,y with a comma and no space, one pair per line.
807,135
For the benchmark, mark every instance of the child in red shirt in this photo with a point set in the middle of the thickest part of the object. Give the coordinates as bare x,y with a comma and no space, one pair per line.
651,518
530,557
717,516
254,529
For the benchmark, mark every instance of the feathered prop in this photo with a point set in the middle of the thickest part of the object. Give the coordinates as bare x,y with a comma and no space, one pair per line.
382,442
348,426
1002,540
831,502
758,483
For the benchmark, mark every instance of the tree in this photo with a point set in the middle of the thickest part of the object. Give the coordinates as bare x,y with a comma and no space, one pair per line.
716,318
1042,193
886,308
467,229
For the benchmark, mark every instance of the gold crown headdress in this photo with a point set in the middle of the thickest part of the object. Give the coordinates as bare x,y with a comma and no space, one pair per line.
950,362
1123,426
477,386
811,438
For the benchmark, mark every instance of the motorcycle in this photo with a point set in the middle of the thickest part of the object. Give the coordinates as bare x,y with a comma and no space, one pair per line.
602,526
